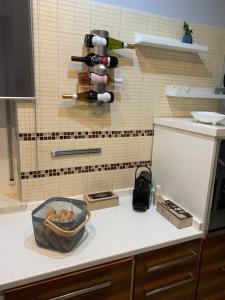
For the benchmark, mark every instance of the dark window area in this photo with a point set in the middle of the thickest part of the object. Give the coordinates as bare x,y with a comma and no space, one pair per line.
222,195
16,61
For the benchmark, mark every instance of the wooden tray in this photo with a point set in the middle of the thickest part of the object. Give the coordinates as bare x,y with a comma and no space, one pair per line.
101,200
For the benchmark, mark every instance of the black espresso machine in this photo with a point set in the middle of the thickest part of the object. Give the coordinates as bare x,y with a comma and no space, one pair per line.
142,189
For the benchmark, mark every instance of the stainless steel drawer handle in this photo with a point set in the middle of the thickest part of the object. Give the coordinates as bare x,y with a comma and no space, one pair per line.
55,153
83,291
170,286
179,261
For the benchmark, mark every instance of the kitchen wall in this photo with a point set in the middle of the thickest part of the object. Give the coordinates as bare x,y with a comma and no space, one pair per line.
208,12
123,129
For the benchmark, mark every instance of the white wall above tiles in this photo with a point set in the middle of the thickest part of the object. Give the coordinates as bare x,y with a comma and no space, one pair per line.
208,12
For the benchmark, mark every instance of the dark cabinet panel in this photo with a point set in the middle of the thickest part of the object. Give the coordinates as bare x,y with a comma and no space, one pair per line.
211,285
16,59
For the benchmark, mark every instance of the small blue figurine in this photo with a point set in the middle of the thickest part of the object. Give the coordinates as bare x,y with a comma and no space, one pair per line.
187,38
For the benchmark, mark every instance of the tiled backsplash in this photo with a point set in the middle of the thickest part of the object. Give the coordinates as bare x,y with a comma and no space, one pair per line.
123,129
83,169
46,136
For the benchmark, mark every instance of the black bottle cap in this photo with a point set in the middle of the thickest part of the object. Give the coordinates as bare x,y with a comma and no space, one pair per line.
113,62
112,97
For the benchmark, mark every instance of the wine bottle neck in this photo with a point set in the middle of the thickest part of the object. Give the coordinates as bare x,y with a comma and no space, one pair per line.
129,46
77,58
69,96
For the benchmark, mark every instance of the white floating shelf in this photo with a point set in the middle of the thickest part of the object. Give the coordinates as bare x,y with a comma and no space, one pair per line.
184,91
167,43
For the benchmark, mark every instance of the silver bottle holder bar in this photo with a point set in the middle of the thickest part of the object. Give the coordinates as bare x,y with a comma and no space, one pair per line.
56,153
100,69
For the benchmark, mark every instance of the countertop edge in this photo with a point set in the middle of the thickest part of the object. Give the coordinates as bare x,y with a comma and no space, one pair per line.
98,262
203,129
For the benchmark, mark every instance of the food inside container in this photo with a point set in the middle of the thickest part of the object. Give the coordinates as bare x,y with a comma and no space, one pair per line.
63,215
59,223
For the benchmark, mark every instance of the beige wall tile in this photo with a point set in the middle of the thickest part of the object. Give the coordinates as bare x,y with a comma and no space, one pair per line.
59,29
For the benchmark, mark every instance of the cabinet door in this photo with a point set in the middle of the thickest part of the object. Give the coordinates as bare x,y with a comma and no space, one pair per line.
16,60
168,273
212,270
110,281
212,281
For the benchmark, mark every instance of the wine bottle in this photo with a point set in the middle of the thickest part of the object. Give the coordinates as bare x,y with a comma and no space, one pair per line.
91,96
93,78
92,40
93,59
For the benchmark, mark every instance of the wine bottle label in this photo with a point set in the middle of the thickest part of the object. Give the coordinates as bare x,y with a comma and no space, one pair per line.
105,60
97,40
105,97
95,78
94,59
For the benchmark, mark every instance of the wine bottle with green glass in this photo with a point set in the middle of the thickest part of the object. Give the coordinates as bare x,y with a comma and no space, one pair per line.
92,40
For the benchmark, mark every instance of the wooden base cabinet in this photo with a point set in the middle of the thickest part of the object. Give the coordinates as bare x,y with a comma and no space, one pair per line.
211,284
110,281
167,274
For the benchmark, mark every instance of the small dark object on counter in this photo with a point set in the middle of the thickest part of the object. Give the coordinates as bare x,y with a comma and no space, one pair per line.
142,188
220,91
101,200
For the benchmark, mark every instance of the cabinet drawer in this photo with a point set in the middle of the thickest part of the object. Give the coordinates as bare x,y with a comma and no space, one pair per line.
168,273
110,281
181,289
167,259
176,282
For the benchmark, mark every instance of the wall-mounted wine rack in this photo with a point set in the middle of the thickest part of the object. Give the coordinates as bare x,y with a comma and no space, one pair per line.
98,61
99,69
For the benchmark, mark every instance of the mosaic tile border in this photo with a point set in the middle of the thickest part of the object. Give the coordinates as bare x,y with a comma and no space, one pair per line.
45,136
83,169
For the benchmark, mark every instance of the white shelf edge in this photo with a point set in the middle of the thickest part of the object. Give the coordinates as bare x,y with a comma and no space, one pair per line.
167,43
182,91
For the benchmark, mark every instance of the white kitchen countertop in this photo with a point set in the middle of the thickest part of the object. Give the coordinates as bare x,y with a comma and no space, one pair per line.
111,234
190,125
8,204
